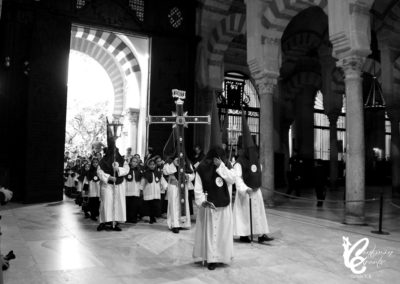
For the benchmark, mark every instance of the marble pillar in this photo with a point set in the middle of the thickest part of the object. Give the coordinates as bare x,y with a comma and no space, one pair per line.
355,155
266,90
333,150
133,117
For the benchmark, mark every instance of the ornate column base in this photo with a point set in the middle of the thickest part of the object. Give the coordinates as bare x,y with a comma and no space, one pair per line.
350,219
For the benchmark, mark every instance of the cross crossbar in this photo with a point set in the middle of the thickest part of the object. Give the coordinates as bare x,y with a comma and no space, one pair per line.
180,119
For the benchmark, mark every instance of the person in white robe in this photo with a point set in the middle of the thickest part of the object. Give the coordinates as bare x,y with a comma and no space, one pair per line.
214,225
248,183
175,220
241,210
133,192
112,191
151,184
94,190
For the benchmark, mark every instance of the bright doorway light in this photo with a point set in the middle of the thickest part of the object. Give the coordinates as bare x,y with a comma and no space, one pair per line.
90,100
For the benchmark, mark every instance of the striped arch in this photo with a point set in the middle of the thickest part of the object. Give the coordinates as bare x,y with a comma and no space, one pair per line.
125,62
396,76
222,35
279,13
109,64
391,21
298,44
302,79
113,44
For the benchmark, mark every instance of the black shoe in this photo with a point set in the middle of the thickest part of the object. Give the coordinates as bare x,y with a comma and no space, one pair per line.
93,218
117,228
101,227
175,230
211,266
153,220
319,204
264,238
87,215
245,240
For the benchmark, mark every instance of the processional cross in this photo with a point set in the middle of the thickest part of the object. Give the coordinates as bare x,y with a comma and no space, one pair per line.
180,120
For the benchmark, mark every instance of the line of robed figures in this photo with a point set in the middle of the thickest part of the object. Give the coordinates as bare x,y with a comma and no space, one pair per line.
122,185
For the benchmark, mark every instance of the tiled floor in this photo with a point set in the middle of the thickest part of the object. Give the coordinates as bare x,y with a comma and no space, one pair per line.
55,244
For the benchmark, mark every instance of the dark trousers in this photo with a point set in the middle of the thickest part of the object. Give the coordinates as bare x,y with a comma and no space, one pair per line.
133,206
153,206
320,192
164,204
191,198
293,184
94,206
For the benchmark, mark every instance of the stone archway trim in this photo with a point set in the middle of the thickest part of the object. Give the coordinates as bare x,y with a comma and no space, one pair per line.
109,64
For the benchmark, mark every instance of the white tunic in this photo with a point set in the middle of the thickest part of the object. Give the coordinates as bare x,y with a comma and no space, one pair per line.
94,188
152,190
70,182
213,240
174,219
133,187
112,197
241,209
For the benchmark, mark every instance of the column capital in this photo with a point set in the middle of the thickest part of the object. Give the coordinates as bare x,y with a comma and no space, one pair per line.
133,114
352,66
266,85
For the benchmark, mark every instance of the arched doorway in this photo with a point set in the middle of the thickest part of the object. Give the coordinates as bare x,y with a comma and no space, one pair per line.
124,58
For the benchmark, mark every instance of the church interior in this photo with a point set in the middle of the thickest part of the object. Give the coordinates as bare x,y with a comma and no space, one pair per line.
318,81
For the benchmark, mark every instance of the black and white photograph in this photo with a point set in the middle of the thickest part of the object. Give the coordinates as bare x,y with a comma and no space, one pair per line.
199,141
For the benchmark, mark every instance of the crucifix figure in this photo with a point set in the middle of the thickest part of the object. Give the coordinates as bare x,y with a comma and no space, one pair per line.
180,119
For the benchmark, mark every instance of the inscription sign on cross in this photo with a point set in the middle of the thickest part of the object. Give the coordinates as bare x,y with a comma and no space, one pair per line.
180,120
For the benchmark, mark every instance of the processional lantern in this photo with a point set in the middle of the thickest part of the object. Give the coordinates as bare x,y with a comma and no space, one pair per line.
375,100
116,128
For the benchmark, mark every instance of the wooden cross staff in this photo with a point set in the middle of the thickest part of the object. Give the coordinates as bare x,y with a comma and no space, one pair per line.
180,119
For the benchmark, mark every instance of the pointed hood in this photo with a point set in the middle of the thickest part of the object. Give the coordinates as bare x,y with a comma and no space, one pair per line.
247,139
169,151
215,137
249,157
225,136
110,138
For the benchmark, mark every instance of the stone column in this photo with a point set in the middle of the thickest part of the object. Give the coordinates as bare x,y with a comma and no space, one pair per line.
133,117
333,150
355,156
266,89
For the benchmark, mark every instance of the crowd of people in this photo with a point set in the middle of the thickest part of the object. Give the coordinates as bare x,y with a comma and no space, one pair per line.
115,189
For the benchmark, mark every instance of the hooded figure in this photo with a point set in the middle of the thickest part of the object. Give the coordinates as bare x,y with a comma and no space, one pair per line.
111,171
225,137
213,189
175,219
248,183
